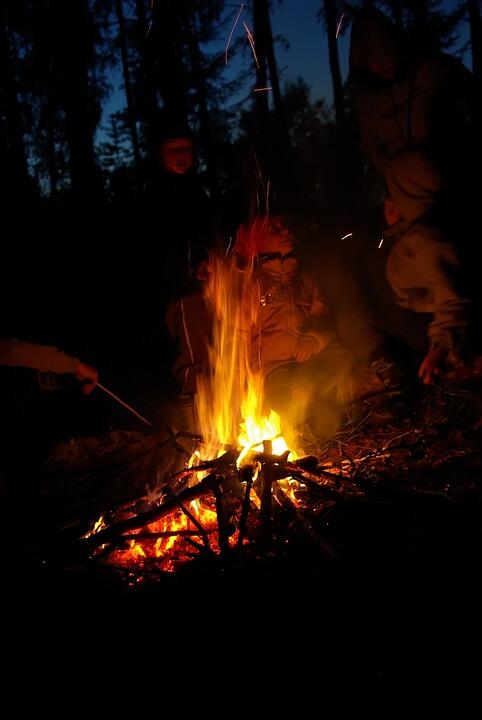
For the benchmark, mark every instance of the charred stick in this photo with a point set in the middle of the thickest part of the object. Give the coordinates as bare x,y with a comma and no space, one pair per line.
315,485
247,473
302,525
267,479
167,533
177,445
221,514
116,529
195,522
229,458
321,479
200,548
185,534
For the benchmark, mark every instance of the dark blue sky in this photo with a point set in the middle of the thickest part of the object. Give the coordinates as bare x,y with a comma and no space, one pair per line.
307,56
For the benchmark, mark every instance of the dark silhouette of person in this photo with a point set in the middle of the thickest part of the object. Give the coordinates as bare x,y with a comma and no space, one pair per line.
182,229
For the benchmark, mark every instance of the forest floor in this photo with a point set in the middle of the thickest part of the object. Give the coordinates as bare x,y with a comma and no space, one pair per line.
382,612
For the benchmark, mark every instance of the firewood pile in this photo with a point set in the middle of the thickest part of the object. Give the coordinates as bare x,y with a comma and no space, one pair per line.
133,481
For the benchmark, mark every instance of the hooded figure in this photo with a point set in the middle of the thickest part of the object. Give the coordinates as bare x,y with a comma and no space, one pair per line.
418,128
408,104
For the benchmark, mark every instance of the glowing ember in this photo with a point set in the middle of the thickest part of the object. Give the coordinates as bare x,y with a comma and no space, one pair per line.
174,539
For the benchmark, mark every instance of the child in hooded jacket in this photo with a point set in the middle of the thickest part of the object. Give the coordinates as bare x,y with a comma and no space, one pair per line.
307,372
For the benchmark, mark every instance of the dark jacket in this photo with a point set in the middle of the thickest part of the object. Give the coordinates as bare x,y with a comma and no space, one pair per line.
179,223
430,104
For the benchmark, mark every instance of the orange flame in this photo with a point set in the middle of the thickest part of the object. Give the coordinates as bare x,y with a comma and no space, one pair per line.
229,410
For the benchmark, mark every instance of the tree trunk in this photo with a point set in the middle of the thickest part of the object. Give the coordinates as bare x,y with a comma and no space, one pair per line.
206,135
330,21
272,64
169,45
131,114
14,142
272,158
146,92
50,145
475,38
76,52
260,34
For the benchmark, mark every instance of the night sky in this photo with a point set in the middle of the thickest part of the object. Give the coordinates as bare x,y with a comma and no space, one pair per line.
308,53
307,57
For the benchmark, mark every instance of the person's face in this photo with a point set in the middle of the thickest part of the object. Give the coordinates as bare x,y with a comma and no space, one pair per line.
177,155
276,237
385,66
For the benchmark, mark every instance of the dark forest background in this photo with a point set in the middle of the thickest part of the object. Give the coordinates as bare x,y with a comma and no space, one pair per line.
70,194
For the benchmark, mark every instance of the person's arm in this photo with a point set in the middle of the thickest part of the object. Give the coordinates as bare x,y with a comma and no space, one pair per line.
315,334
46,358
421,270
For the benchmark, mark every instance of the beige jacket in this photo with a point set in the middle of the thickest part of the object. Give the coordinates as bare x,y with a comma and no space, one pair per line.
283,308
421,269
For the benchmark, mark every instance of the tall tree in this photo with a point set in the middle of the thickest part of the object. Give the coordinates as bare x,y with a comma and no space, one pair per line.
145,72
260,41
12,144
330,21
271,143
431,25
131,111
475,37
76,54
169,47
200,85
395,8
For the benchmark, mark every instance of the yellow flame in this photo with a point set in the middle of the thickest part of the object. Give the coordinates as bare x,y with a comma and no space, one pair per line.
231,397
230,413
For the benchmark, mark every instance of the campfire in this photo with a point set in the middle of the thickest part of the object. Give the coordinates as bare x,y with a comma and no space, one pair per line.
245,475
249,488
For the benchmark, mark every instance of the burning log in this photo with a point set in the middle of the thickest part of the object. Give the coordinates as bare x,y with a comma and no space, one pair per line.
118,528
195,522
247,475
188,536
220,463
222,517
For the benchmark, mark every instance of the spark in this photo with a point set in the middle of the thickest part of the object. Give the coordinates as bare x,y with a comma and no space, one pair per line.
346,236
340,22
258,168
251,42
232,31
380,243
262,89
150,21
267,199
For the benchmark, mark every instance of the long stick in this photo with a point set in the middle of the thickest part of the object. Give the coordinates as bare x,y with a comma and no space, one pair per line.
128,407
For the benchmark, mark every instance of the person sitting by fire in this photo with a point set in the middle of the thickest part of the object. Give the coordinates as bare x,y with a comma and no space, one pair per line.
181,217
309,374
